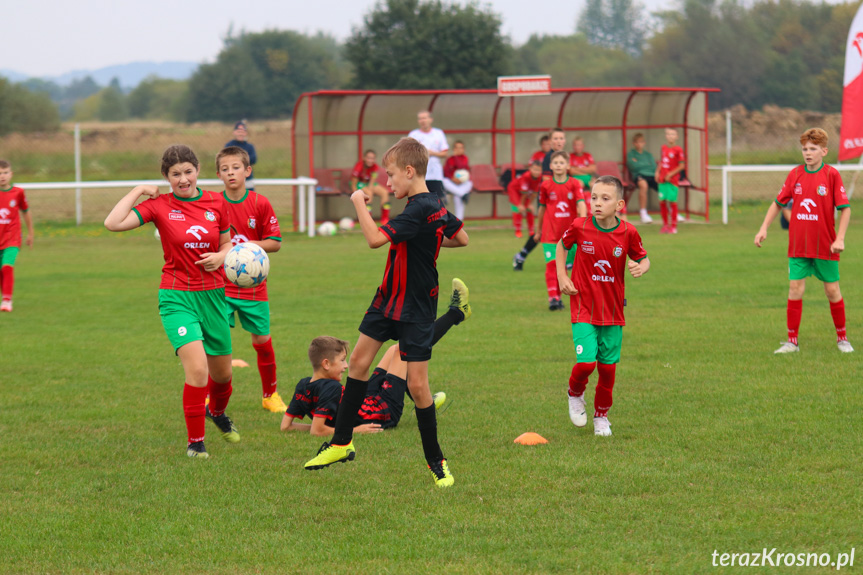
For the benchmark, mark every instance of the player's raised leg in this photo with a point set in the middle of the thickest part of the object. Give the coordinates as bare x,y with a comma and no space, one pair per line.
427,423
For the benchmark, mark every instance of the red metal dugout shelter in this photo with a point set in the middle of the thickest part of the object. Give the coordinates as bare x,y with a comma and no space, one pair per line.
332,128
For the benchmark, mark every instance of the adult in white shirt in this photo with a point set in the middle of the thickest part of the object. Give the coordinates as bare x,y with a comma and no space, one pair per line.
435,142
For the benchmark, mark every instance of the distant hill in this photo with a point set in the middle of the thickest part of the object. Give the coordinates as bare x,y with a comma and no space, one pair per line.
130,75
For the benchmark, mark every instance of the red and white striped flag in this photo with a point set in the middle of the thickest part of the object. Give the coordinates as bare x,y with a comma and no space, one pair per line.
851,135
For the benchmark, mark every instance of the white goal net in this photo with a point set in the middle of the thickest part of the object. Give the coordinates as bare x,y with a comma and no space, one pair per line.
763,182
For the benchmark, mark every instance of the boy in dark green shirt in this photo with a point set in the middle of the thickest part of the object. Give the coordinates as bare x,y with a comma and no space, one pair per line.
642,170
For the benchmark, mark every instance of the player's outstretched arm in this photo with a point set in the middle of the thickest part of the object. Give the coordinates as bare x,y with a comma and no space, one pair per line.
121,218
269,246
772,212
373,235
838,246
638,269
28,219
289,424
459,240
563,279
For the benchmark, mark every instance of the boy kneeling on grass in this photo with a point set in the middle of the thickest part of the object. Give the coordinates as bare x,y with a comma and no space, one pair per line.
318,396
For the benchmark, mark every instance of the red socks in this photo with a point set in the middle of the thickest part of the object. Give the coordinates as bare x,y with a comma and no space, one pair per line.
266,367
663,209
385,213
673,213
837,310
193,409
7,281
578,378
516,221
220,393
795,312
602,401
530,218
551,280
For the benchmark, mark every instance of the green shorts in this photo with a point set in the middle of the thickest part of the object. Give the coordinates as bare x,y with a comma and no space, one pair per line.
825,270
189,316
584,179
597,342
8,256
361,185
550,253
254,315
668,192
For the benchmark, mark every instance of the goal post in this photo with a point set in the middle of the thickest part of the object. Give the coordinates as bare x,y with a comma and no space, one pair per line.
763,182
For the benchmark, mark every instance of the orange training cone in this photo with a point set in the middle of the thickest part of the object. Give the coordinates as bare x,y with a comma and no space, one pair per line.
530,438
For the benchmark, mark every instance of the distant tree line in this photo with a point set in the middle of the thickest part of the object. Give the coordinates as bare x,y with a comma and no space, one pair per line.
784,52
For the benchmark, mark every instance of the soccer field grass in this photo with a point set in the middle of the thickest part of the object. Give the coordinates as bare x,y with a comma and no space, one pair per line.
718,444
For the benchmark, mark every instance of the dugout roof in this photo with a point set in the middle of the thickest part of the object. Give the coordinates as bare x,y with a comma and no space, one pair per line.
331,128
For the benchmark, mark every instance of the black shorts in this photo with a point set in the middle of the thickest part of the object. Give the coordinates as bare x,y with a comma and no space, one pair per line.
651,181
384,401
415,339
436,187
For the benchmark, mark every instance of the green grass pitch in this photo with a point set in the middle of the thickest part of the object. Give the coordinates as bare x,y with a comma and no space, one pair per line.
718,444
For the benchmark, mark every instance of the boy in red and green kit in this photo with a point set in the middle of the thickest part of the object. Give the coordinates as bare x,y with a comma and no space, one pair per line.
252,220
814,244
671,163
12,204
596,289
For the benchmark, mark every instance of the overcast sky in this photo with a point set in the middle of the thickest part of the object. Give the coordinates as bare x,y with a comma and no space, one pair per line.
50,37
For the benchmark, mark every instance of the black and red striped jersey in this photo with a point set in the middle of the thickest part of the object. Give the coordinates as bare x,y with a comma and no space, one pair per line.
409,290
319,398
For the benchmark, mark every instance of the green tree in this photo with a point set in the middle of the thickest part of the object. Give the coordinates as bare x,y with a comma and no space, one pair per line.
573,61
24,111
112,103
261,75
159,98
428,44
616,24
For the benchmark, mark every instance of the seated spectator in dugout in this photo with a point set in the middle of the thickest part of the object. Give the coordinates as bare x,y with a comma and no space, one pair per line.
319,396
365,176
642,170
454,181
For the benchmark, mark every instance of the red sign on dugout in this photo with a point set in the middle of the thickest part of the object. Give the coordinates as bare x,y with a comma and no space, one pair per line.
523,85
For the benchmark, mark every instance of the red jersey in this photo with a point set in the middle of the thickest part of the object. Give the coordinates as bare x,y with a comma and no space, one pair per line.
454,163
363,173
12,202
560,201
521,188
538,156
599,269
581,161
812,229
252,218
670,158
189,228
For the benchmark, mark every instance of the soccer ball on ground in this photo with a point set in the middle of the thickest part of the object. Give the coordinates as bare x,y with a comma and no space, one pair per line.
247,265
327,229
346,224
461,176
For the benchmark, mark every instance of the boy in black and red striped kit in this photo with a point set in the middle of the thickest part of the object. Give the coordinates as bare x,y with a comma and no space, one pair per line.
405,304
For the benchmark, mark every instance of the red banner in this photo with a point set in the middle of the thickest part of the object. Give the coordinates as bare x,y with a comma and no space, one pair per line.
851,134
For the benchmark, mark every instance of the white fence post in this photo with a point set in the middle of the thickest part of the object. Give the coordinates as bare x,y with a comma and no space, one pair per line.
724,194
78,210
301,207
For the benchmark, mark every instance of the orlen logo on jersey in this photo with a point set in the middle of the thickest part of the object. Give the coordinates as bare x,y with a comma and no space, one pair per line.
562,210
194,230
602,265
808,204
4,213
239,239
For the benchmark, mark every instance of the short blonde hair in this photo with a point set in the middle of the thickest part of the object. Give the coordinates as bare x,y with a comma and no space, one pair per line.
408,152
815,135
326,347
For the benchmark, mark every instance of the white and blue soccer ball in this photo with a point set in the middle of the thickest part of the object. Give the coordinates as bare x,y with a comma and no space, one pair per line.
247,265
327,229
346,224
